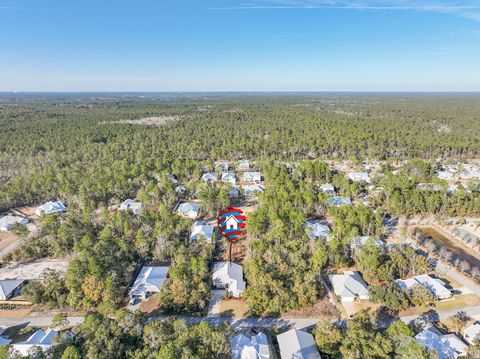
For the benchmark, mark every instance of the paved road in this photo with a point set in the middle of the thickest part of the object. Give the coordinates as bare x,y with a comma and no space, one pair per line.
41,321
468,283
236,323
435,316
276,322
251,322
10,248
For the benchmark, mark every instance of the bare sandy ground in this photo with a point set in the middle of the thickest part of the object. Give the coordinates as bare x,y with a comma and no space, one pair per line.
148,121
32,270
6,239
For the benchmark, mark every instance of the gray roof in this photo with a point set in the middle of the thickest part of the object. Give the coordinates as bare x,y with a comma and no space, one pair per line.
210,176
434,285
472,332
130,204
50,207
316,229
360,241
8,221
255,347
349,285
150,279
188,208
340,201
8,286
297,344
201,229
447,346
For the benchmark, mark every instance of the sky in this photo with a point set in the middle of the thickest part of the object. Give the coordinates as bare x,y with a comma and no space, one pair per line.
239,45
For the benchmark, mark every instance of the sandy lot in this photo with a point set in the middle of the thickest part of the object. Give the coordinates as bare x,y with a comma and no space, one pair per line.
7,238
32,270
28,212
149,121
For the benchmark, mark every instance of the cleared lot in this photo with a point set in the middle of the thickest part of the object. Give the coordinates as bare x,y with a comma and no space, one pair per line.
6,239
32,270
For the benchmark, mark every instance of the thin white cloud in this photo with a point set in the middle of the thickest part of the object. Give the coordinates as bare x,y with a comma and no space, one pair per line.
467,9
19,8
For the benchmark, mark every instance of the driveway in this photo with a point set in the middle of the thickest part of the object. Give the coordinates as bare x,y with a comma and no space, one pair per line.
214,305
460,278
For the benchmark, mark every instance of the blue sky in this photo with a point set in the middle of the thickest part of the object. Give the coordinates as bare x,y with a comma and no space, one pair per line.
240,45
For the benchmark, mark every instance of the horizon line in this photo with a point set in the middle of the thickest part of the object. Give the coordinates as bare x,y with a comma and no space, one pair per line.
240,91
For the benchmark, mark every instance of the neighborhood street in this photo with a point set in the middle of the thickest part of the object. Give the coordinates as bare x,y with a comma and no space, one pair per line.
271,322
236,323
10,248
464,281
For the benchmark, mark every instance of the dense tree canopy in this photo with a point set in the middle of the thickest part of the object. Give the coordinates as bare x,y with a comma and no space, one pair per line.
78,149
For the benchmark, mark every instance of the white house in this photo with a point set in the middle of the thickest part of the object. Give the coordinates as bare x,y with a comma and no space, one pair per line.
231,223
50,208
251,190
189,210
233,191
244,165
327,188
229,177
229,275
349,286
463,171
446,175
316,229
209,177
8,221
340,201
40,339
201,230
434,285
255,347
297,344
359,177
447,346
252,177
149,281
131,205
360,241
10,288
172,178
470,172
472,332
223,166
181,190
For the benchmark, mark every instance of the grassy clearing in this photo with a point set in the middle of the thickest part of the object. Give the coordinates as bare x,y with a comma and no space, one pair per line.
458,302
234,308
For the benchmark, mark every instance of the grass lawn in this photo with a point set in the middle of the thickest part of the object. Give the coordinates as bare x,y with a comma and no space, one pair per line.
458,302
364,305
351,308
234,308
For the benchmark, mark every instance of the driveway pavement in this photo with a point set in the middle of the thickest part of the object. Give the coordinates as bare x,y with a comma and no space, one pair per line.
460,278
214,304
